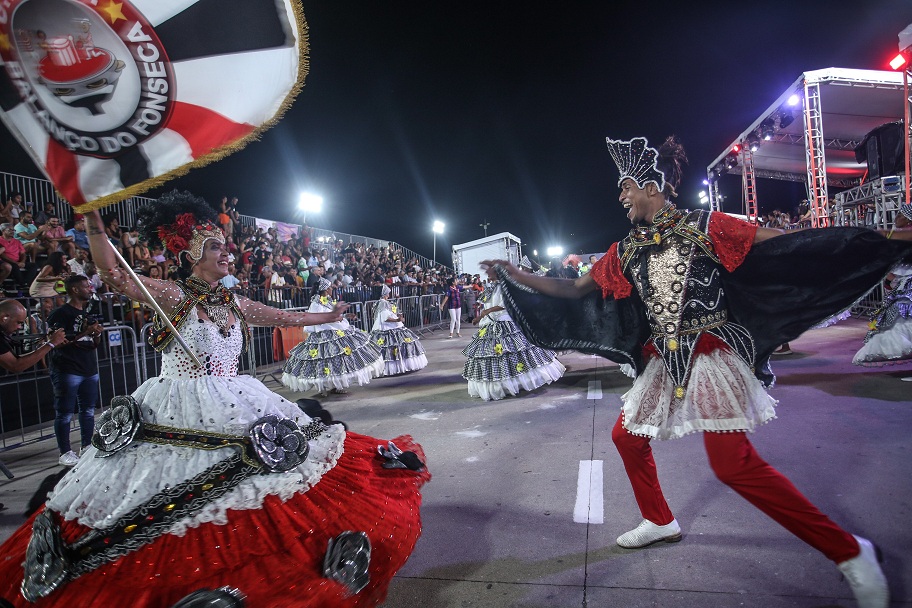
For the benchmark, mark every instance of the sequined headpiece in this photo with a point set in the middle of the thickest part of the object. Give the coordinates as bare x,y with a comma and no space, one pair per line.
637,161
187,235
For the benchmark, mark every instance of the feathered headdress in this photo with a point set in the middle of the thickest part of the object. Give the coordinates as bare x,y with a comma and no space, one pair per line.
181,222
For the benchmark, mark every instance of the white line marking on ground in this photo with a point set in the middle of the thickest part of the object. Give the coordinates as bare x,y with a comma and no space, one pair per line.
595,389
471,433
590,506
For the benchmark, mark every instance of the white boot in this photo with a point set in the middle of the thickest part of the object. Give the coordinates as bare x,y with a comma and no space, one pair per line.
648,533
865,577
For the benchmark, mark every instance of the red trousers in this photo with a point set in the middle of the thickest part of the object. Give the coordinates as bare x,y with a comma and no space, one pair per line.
736,463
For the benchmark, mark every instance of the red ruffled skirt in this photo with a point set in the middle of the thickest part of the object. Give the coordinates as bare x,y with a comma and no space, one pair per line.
273,555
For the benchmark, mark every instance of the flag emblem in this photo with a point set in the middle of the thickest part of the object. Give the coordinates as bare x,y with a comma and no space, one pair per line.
114,97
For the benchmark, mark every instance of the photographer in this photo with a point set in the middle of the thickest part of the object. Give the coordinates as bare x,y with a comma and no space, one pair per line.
12,317
74,367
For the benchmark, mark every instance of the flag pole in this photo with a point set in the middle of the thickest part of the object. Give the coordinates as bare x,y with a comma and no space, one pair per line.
151,301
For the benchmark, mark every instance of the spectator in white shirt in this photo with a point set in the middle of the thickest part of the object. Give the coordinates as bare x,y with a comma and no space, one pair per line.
78,264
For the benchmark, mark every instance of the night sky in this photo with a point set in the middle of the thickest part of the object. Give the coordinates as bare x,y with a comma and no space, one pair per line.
498,110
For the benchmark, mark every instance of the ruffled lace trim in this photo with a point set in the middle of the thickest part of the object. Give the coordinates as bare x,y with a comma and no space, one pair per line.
530,380
400,366
609,275
721,395
339,381
893,345
732,238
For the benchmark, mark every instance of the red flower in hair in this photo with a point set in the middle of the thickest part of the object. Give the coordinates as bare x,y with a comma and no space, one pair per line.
176,244
185,224
176,237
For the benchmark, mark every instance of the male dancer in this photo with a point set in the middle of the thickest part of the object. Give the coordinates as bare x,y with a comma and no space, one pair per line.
675,308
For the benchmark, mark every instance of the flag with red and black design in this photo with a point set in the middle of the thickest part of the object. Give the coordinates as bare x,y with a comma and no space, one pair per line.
114,97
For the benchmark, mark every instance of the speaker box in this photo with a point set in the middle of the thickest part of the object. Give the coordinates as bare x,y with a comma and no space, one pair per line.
883,150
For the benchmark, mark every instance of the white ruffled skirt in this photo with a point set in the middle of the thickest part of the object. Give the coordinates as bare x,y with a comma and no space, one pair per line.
98,491
721,395
892,345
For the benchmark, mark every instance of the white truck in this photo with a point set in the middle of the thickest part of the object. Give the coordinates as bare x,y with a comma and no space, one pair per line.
503,246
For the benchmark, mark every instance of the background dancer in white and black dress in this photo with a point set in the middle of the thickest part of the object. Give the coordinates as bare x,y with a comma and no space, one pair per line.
500,361
334,355
399,346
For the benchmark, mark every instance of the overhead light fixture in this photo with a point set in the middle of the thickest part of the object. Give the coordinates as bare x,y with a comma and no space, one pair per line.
753,142
793,99
899,61
785,119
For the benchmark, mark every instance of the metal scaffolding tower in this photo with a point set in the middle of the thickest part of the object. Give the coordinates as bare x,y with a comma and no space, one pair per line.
749,184
816,160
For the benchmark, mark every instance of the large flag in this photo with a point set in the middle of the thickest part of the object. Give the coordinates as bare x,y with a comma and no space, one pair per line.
114,97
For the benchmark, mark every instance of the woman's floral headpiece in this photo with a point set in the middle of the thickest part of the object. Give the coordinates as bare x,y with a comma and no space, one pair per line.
188,235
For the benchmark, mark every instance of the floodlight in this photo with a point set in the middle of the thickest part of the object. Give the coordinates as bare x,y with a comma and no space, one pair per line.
310,202
438,227
553,251
899,61
793,99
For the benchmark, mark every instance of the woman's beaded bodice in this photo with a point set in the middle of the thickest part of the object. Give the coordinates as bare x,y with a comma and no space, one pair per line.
218,354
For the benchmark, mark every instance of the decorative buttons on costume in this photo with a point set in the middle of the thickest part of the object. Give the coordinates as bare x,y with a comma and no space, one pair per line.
679,392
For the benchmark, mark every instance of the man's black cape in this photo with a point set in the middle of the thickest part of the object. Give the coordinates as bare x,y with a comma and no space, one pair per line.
785,286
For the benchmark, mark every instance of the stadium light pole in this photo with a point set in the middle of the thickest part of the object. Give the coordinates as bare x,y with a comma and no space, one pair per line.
310,203
438,229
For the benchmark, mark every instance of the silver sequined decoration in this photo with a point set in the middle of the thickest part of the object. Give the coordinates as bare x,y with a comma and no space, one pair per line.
46,565
347,560
118,426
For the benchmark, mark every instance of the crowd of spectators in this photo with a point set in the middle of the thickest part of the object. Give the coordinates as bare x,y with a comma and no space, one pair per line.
265,267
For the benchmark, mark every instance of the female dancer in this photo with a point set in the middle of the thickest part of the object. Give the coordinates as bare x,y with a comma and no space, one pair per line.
203,478
400,347
334,354
501,361
890,337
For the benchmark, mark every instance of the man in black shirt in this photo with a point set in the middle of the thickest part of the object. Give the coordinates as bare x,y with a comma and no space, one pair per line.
74,367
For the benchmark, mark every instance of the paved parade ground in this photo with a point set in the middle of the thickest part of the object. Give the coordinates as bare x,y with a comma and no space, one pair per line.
529,494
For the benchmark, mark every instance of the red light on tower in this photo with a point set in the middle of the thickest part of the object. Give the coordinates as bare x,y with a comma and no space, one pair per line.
899,61
736,148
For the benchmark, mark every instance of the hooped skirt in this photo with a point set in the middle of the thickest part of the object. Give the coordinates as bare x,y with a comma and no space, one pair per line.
273,554
501,361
